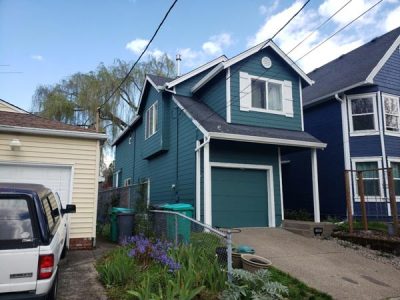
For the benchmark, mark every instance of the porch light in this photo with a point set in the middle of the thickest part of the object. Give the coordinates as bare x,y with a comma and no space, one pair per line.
15,145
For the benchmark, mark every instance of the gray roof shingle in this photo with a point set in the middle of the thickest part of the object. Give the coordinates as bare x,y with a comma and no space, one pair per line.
349,69
214,123
159,80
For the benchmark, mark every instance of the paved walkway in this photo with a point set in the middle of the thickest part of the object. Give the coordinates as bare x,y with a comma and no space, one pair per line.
323,264
78,276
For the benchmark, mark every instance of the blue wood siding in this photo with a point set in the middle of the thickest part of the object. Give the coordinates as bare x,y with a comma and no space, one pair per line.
369,145
124,155
247,153
324,122
185,87
389,75
279,71
392,145
214,94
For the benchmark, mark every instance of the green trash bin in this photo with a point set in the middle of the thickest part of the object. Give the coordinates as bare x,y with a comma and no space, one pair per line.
178,228
114,221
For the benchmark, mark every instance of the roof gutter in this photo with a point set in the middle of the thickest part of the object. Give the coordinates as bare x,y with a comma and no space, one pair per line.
53,132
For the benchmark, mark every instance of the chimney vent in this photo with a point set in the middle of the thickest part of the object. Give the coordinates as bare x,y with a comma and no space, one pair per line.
178,65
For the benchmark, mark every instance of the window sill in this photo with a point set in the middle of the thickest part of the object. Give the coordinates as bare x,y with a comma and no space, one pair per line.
378,199
364,133
392,133
265,111
146,138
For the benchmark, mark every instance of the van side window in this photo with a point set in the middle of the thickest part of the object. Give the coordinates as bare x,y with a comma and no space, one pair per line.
47,212
55,213
51,211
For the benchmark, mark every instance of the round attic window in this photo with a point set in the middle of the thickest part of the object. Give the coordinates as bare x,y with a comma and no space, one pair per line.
266,62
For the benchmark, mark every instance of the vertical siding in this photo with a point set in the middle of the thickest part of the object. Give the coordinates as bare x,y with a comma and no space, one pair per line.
279,71
389,75
247,153
214,94
81,154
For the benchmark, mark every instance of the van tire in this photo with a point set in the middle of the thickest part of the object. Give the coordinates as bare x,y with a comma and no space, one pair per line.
64,251
54,289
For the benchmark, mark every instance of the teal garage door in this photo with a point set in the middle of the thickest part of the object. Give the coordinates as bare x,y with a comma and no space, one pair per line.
239,197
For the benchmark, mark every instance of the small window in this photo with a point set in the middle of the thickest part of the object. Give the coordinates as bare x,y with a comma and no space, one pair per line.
151,120
392,113
363,113
396,176
51,211
266,94
370,177
127,182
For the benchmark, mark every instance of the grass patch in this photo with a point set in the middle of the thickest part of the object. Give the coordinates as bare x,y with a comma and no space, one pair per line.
357,225
297,289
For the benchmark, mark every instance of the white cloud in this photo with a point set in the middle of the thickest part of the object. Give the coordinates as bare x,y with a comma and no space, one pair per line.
137,45
157,53
393,19
37,57
216,43
265,10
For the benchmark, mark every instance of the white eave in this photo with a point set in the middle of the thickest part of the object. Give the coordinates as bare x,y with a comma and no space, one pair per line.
196,71
207,78
53,132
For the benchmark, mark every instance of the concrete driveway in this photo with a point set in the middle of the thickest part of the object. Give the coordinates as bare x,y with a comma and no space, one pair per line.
323,264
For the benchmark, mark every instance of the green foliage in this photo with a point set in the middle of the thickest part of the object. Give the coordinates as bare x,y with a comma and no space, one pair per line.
258,285
357,225
207,242
297,289
299,215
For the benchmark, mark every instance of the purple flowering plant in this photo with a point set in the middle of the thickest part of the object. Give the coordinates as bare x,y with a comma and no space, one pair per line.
147,251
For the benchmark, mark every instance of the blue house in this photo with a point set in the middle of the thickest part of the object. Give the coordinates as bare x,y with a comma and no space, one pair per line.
214,137
353,107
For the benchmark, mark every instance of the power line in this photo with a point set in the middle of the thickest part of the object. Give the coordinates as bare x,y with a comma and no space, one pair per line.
341,29
143,52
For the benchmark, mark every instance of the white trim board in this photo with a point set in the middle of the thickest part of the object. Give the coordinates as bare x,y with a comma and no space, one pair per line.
374,131
270,184
207,78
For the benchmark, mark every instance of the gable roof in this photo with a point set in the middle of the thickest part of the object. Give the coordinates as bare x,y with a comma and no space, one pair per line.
157,80
12,107
29,123
216,127
356,68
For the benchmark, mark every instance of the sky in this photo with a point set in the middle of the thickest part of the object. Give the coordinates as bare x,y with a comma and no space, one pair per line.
45,41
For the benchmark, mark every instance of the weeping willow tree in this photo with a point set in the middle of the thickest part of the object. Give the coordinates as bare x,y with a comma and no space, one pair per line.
75,100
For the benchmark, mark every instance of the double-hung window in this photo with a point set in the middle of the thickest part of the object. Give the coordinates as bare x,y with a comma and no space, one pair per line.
395,165
266,95
371,178
151,120
363,113
392,113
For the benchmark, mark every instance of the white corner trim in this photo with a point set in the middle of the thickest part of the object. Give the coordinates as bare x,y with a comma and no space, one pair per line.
280,183
314,171
228,96
198,181
195,122
270,184
383,60
265,140
13,107
207,186
53,132
207,78
196,71
301,105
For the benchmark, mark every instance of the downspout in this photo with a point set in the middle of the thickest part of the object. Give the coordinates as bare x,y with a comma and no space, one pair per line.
197,151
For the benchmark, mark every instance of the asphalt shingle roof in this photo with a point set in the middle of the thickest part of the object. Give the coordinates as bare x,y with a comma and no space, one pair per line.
159,80
31,121
212,122
349,69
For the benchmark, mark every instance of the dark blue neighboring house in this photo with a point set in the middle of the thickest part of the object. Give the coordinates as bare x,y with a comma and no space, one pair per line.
354,107
214,137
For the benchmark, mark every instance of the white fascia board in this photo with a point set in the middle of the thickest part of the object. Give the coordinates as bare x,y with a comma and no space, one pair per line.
157,87
207,78
195,122
383,60
332,94
265,140
13,107
53,132
144,89
196,71
137,118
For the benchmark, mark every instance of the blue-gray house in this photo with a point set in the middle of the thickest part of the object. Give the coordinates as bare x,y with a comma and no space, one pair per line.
214,137
354,107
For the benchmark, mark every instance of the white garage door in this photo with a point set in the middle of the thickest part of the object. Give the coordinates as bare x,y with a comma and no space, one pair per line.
57,178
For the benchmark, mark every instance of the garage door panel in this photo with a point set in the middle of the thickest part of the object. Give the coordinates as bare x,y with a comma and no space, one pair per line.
239,197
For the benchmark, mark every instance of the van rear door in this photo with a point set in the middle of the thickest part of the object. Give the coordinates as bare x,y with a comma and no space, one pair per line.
19,247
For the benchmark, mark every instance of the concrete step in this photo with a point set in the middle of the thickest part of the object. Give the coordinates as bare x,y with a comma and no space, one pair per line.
309,229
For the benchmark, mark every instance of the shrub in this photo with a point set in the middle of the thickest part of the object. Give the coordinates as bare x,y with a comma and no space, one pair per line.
258,285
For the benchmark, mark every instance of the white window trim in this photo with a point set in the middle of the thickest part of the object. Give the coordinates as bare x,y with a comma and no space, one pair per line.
155,117
117,178
363,132
389,132
266,110
377,159
397,160
128,181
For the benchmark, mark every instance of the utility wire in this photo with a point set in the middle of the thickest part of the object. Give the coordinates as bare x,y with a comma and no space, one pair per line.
140,56
341,29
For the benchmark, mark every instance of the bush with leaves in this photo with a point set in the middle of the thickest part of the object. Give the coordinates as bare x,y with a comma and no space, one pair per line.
255,286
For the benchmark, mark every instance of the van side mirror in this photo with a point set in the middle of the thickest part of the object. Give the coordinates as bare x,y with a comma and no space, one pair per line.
69,209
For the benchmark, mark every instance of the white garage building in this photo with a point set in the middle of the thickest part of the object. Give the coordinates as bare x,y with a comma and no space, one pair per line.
62,157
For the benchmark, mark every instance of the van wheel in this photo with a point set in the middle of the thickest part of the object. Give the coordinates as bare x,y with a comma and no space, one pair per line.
54,289
64,251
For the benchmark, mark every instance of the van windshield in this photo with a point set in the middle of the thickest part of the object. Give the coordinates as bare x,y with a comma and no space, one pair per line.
15,221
